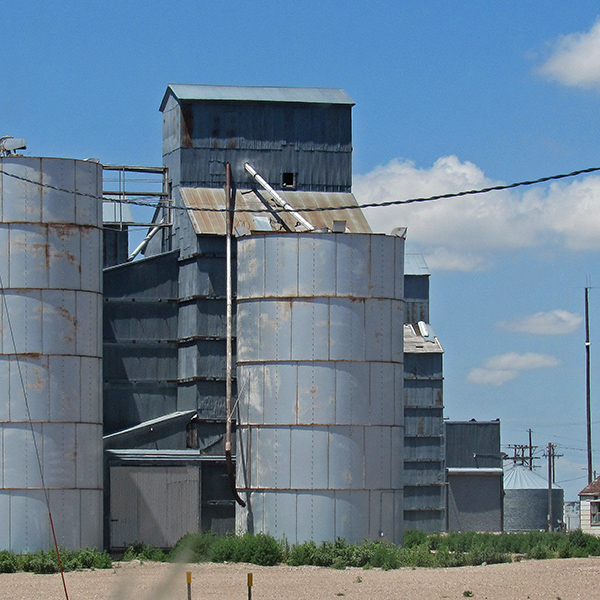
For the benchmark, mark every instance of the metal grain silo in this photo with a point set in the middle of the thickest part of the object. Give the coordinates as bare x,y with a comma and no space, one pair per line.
319,353
50,352
526,501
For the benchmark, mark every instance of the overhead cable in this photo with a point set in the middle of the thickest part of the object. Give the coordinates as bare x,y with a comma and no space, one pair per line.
494,188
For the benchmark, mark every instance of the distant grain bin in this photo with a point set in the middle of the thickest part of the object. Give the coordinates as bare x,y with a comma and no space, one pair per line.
526,501
320,374
50,264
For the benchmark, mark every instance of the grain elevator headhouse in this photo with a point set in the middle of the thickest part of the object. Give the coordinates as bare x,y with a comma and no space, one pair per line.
317,330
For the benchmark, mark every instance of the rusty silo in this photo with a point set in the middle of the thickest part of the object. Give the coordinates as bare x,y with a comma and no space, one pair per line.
320,374
50,352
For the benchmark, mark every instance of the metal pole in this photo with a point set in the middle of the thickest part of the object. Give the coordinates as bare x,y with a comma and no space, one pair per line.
550,451
249,586
588,405
189,585
229,335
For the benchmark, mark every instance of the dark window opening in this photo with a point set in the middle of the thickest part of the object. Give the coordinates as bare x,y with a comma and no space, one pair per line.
288,180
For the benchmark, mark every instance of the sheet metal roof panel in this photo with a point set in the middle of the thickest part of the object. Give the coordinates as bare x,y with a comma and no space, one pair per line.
519,477
414,264
257,94
415,343
207,222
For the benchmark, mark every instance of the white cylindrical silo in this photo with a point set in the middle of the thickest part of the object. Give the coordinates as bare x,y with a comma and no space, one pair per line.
50,352
320,375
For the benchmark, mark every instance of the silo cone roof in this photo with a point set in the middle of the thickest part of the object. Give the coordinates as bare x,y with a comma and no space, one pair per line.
519,477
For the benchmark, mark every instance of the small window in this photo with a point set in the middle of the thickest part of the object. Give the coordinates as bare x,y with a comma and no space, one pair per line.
288,180
595,512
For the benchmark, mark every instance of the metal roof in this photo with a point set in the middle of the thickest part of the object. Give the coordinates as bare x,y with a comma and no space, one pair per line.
415,343
214,222
414,264
257,94
519,477
593,488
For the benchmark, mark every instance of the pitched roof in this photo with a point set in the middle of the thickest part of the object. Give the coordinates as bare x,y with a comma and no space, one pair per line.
257,94
592,488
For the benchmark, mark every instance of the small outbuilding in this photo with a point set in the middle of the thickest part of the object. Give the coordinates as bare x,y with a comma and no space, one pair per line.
589,501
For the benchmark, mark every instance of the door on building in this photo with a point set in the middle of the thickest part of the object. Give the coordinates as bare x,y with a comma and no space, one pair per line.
155,505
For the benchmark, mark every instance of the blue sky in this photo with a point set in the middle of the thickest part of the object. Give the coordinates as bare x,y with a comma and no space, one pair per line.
448,95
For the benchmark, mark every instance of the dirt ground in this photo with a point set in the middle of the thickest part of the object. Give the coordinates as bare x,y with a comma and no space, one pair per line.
566,579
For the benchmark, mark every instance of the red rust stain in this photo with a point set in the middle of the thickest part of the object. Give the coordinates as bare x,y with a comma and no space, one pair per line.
65,314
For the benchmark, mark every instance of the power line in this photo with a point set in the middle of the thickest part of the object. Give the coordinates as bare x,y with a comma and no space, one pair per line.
446,196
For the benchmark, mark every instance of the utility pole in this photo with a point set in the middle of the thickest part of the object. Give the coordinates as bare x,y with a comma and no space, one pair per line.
588,405
530,451
551,454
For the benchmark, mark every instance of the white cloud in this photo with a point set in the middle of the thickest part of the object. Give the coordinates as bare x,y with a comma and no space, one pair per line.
505,367
461,233
575,59
555,322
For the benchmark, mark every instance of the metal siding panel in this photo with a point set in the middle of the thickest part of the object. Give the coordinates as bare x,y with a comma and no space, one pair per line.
353,265
92,513
397,471
399,259
251,382
316,266
28,532
352,515
25,310
29,256
378,316
251,278
378,458
352,393
21,467
275,330
346,457
397,330
58,442
382,393
346,329
382,270
32,371
248,319
6,519
309,452
316,516
273,458
280,385
64,257
59,321
88,458
316,393
279,514
22,193
5,399
310,329
281,266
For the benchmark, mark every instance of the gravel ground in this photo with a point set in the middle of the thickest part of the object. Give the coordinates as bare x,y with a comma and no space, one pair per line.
566,579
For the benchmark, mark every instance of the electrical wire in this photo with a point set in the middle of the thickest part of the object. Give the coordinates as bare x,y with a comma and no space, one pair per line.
485,190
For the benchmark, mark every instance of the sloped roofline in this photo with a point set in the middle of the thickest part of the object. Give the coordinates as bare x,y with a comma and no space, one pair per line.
257,94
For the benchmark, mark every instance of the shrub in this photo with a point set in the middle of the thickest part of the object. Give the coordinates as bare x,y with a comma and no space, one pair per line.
8,562
140,551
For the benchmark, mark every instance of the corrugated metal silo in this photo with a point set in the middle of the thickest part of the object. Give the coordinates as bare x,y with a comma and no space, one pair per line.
526,501
50,263
320,373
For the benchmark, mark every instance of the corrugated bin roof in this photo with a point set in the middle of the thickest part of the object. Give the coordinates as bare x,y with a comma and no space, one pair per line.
519,477
214,222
